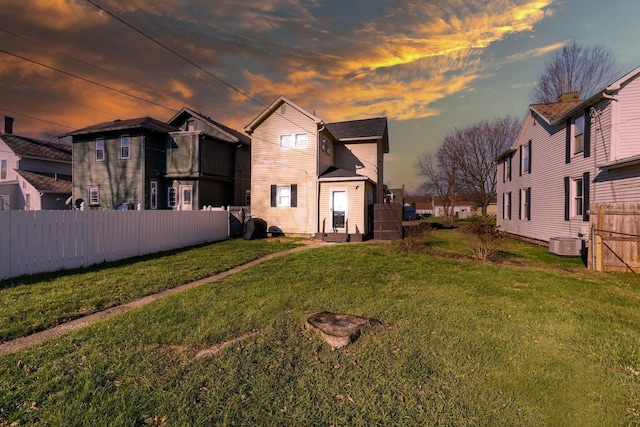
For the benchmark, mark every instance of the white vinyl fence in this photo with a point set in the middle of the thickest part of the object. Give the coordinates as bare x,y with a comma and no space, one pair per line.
43,241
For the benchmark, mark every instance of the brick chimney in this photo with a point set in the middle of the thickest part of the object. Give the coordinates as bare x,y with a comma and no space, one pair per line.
569,96
8,124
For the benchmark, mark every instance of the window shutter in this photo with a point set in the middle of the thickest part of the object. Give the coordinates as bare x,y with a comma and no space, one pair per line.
274,195
520,162
567,197
528,199
520,204
530,155
567,153
586,184
294,195
587,133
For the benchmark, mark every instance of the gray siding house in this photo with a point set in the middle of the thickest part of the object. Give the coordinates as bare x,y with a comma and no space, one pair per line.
34,174
569,155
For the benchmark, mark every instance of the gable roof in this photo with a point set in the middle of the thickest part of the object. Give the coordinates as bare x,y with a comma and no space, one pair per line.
272,108
34,148
552,111
232,134
47,183
357,130
333,173
139,123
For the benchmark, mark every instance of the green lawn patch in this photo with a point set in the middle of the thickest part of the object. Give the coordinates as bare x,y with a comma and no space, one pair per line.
467,343
33,303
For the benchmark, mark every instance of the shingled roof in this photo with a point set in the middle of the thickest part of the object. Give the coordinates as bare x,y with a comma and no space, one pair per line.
29,147
553,110
140,122
47,183
365,129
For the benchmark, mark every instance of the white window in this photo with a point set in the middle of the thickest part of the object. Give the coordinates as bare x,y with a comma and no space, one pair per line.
94,195
294,140
506,205
526,157
507,169
283,196
525,203
578,138
578,197
3,169
171,197
153,194
125,143
99,150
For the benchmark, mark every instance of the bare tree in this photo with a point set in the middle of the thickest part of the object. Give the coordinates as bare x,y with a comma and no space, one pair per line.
474,149
575,68
438,180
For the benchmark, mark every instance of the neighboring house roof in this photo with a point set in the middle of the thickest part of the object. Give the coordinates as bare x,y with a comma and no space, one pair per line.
552,111
272,108
333,173
28,147
138,123
437,201
47,182
232,134
354,130
424,206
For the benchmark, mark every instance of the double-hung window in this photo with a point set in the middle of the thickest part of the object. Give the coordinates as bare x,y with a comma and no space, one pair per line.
94,195
526,157
578,200
525,203
3,169
507,169
294,140
284,195
100,150
578,135
506,205
125,147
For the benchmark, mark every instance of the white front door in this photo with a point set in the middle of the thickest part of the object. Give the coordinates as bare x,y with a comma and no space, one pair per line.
339,209
186,197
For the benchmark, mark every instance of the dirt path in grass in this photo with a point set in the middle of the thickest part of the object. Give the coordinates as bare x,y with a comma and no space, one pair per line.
39,337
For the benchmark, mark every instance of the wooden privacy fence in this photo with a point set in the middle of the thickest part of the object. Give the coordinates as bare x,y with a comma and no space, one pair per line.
44,241
615,234
387,221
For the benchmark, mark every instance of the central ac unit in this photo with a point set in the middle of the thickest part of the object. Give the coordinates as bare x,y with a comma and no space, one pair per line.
565,246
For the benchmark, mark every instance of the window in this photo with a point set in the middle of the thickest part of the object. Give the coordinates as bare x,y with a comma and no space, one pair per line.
94,195
525,153
525,203
171,197
284,195
507,169
153,194
3,169
247,197
297,140
27,202
125,143
326,146
99,150
506,205
578,206
578,138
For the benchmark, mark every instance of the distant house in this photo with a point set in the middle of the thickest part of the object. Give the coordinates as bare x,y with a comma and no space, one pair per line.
567,156
143,163
310,177
34,174
424,208
121,165
209,160
460,208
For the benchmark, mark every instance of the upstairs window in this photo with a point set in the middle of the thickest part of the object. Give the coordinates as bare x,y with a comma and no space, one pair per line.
507,169
99,149
294,140
578,135
525,153
3,169
125,143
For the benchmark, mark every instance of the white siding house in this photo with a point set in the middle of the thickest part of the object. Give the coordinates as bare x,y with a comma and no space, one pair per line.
310,177
569,155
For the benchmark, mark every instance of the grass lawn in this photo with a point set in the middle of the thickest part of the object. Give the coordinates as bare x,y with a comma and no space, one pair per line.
531,339
33,303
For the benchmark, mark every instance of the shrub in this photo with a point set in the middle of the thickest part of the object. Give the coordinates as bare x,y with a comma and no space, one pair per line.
485,239
414,235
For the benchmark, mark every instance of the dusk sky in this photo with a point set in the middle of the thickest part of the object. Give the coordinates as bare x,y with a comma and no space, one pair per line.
429,66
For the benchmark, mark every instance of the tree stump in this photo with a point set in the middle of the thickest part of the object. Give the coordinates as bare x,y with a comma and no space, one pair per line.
338,330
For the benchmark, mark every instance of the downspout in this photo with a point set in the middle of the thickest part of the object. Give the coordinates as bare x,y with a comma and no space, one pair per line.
318,144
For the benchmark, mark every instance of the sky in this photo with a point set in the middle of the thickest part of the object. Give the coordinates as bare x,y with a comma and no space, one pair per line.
428,66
